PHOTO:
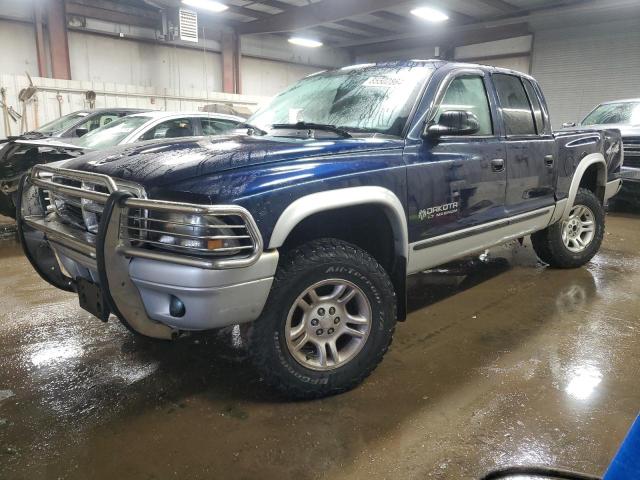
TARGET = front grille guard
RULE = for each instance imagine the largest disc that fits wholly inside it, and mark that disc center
(43, 177)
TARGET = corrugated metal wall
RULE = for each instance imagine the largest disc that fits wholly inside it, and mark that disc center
(579, 67)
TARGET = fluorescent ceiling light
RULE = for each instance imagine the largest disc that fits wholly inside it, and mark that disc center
(430, 14)
(210, 5)
(305, 42)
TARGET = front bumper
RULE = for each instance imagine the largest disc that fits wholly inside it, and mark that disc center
(140, 284)
(630, 191)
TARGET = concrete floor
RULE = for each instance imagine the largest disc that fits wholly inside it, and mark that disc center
(499, 363)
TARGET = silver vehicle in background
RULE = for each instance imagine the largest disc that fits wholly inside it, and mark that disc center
(625, 116)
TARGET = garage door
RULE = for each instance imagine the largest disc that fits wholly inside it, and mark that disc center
(580, 67)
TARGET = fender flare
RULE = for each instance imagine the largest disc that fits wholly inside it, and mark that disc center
(340, 198)
(585, 163)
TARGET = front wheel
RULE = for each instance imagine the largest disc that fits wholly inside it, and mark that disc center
(328, 321)
(573, 242)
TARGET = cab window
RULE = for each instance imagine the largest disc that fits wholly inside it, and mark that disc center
(516, 109)
(177, 127)
(535, 103)
(98, 121)
(217, 126)
(468, 93)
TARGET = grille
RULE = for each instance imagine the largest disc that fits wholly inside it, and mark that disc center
(632, 152)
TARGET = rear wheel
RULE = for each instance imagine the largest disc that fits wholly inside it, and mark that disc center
(573, 242)
(328, 321)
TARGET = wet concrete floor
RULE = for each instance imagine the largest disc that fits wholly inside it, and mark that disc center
(500, 362)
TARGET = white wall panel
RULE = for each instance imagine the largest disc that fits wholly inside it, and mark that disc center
(105, 59)
(268, 77)
(18, 48)
(579, 67)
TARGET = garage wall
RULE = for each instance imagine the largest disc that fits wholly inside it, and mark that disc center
(21, 56)
(580, 67)
(268, 77)
(513, 53)
(144, 64)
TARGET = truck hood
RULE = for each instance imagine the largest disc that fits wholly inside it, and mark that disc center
(158, 163)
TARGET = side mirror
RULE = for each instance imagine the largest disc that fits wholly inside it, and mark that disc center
(81, 131)
(568, 124)
(454, 122)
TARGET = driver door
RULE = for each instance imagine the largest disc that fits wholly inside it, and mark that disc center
(458, 181)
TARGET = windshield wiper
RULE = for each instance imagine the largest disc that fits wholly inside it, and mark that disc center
(312, 126)
(251, 128)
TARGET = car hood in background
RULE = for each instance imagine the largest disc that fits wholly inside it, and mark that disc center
(158, 163)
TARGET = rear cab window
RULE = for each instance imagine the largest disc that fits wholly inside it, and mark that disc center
(517, 113)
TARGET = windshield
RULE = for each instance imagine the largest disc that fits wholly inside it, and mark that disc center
(626, 113)
(364, 98)
(112, 133)
(61, 123)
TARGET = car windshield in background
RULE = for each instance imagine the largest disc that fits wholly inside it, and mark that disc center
(61, 123)
(365, 98)
(625, 113)
(113, 133)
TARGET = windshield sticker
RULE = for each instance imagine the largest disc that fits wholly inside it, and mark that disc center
(381, 82)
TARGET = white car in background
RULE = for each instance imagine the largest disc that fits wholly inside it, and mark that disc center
(157, 125)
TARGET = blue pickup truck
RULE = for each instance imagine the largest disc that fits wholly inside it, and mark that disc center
(304, 225)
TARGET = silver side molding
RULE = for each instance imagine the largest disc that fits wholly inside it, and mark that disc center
(436, 251)
(340, 198)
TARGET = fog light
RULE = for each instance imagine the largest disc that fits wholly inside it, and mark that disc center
(176, 307)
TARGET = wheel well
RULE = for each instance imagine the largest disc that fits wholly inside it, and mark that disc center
(592, 179)
(366, 226)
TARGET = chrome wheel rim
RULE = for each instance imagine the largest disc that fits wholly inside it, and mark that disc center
(579, 229)
(328, 324)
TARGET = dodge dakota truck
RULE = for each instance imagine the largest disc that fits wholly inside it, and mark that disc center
(303, 225)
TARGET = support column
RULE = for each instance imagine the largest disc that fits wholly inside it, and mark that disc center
(58, 43)
(230, 63)
(40, 47)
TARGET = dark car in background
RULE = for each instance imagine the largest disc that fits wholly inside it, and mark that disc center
(76, 124)
(20, 155)
(623, 115)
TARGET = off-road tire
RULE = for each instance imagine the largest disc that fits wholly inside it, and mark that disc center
(298, 269)
(548, 243)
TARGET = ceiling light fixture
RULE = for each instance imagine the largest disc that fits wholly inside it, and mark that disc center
(430, 14)
(305, 42)
(210, 5)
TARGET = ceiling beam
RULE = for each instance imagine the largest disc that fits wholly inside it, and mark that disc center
(363, 27)
(501, 5)
(277, 4)
(329, 34)
(327, 11)
(452, 37)
(585, 6)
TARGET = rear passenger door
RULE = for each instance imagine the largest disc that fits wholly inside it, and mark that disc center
(529, 144)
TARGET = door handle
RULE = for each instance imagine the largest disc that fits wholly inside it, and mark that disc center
(548, 160)
(497, 164)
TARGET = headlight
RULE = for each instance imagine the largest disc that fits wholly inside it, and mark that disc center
(196, 234)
